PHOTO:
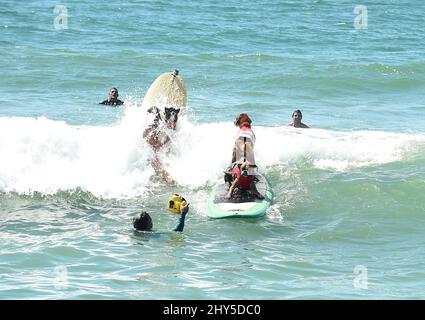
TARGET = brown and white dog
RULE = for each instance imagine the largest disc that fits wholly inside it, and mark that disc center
(238, 175)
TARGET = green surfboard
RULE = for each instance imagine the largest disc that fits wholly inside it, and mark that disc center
(242, 205)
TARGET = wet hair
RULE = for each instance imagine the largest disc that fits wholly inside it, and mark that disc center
(143, 222)
(243, 117)
(116, 90)
(297, 111)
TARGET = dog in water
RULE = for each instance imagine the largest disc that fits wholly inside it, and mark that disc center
(156, 136)
(171, 115)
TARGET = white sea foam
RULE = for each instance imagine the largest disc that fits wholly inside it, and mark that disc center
(334, 150)
(38, 154)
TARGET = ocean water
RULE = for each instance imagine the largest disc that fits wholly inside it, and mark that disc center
(348, 217)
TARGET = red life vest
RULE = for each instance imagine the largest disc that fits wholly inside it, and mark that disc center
(245, 131)
(244, 181)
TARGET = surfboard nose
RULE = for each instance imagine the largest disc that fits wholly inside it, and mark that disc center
(168, 90)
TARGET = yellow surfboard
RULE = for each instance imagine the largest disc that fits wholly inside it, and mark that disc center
(167, 90)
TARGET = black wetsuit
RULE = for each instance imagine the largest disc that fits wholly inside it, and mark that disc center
(117, 102)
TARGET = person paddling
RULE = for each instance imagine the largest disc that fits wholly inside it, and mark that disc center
(143, 222)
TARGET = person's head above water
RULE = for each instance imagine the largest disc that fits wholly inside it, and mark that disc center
(143, 222)
(113, 94)
(297, 114)
(112, 98)
(296, 120)
(242, 119)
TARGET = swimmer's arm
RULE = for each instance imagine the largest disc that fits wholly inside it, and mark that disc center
(183, 211)
(180, 225)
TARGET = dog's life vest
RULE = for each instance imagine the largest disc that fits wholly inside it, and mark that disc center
(244, 180)
(245, 131)
(244, 144)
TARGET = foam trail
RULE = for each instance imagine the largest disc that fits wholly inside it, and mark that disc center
(38, 154)
(326, 149)
(201, 152)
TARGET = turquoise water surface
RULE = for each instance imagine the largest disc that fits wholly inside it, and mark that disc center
(348, 216)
